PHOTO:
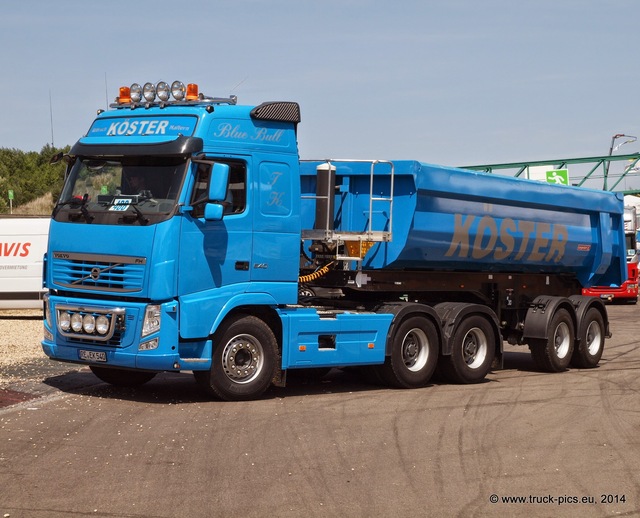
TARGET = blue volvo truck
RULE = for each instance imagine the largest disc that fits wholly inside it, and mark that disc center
(189, 236)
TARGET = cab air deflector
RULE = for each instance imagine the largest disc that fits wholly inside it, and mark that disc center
(179, 147)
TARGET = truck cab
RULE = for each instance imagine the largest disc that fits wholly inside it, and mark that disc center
(171, 215)
(627, 291)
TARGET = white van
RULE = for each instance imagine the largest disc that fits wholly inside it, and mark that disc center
(23, 243)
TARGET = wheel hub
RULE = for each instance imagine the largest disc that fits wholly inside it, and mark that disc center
(411, 350)
(415, 349)
(241, 359)
(594, 338)
(475, 348)
(561, 340)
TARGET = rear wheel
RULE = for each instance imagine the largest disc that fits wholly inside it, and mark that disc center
(414, 354)
(591, 345)
(122, 377)
(244, 360)
(554, 353)
(472, 353)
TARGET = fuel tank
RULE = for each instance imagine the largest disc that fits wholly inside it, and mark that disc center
(421, 216)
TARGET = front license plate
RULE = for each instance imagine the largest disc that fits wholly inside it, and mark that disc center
(93, 356)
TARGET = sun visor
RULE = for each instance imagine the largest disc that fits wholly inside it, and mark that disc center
(180, 146)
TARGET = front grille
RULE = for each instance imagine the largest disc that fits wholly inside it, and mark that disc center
(124, 274)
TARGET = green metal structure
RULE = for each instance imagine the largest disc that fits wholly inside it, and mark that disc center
(583, 170)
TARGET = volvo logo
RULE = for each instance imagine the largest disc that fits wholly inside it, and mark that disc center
(95, 273)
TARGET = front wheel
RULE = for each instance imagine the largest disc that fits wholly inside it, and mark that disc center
(244, 360)
(472, 351)
(122, 377)
(554, 353)
(414, 354)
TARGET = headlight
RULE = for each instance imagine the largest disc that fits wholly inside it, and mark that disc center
(151, 322)
(89, 324)
(47, 309)
(149, 92)
(64, 321)
(163, 90)
(149, 345)
(135, 91)
(76, 322)
(178, 90)
(102, 325)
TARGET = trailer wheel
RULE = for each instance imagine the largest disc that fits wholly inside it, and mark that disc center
(122, 377)
(554, 353)
(414, 354)
(472, 353)
(591, 345)
(244, 360)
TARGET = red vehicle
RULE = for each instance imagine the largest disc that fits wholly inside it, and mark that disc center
(628, 291)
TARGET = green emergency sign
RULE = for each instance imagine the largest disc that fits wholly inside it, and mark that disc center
(558, 176)
(11, 194)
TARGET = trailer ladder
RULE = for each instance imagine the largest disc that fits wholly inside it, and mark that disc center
(356, 243)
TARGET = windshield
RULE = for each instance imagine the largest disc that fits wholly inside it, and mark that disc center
(102, 191)
(631, 246)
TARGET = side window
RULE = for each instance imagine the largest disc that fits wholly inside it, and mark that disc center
(199, 196)
(236, 200)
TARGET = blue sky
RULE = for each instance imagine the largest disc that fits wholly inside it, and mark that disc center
(455, 82)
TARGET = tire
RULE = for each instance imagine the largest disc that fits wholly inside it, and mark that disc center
(554, 353)
(122, 377)
(472, 352)
(304, 292)
(244, 360)
(414, 354)
(591, 344)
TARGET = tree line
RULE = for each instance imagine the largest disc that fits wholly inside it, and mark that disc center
(31, 179)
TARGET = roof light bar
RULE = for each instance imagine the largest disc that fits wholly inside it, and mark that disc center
(162, 93)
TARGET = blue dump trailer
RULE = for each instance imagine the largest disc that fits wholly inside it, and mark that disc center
(190, 237)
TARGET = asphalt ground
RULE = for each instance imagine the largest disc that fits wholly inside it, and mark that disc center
(523, 443)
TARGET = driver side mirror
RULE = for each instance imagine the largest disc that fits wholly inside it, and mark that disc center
(213, 212)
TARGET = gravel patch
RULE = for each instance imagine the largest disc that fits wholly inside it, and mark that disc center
(25, 371)
(20, 335)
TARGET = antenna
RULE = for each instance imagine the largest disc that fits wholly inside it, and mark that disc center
(237, 85)
(51, 117)
(106, 91)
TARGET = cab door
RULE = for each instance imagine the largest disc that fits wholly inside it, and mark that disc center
(215, 256)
